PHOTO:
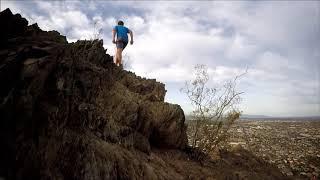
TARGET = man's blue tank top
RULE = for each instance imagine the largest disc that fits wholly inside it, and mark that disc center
(122, 32)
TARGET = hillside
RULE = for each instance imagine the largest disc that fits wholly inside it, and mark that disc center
(67, 112)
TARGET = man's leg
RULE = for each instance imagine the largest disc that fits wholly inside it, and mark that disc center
(115, 58)
(119, 56)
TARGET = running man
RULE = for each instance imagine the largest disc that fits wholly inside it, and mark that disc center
(122, 40)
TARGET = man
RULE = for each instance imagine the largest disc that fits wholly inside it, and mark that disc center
(122, 40)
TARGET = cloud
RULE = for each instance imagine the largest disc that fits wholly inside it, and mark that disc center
(241, 48)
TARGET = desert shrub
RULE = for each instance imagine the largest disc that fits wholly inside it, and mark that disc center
(214, 109)
(97, 29)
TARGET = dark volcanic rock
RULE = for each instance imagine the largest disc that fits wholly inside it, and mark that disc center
(53, 90)
(67, 112)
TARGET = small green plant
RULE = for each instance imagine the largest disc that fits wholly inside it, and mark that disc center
(215, 109)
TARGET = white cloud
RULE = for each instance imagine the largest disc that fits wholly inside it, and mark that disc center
(172, 73)
(241, 48)
(272, 62)
(137, 23)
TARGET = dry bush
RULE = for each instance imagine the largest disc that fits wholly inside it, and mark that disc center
(215, 110)
(97, 30)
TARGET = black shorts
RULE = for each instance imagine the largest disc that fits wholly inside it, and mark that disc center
(120, 43)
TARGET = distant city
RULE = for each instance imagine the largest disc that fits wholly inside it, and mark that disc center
(273, 118)
(264, 117)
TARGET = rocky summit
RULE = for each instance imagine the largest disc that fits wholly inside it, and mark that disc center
(67, 112)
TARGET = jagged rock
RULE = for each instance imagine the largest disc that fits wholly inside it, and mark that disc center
(67, 112)
(11, 25)
(58, 87)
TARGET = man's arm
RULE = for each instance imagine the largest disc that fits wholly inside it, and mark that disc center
(113, 36)
(131, 37)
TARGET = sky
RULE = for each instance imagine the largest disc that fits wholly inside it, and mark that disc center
(278, 42)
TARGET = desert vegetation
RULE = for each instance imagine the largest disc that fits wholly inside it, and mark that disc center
(214, 109)
(97, 30)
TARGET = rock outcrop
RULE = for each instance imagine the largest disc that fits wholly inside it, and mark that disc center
(67, 112)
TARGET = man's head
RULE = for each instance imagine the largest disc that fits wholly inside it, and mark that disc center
(120, 23)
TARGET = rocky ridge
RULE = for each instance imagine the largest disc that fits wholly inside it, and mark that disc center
(67, 112)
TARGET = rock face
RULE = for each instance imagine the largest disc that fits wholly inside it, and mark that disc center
(67, 112)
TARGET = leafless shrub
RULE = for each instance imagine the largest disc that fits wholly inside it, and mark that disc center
(97, 29)
(215, 109)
